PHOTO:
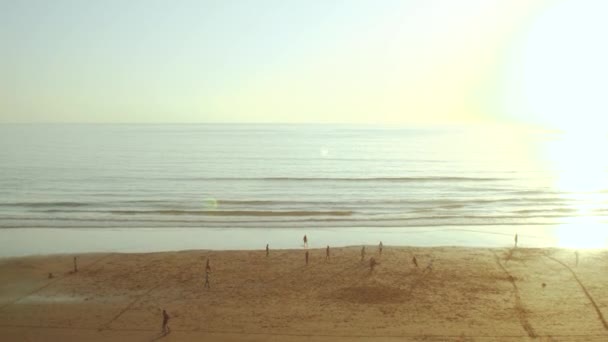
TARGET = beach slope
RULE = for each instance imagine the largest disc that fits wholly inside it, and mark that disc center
(453, 294)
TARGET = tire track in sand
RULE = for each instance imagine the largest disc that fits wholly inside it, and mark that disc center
(593, 303)
(519, 306)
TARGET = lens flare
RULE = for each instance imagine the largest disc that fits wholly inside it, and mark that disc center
(210, 203)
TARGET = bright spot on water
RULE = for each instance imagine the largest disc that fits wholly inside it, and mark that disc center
(324, 152)
(210, 203)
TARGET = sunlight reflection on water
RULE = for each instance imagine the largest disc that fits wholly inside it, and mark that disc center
(580, 170)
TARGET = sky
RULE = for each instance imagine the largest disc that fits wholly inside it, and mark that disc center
(408, 62)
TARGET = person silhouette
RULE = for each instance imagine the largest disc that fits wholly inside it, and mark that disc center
(380, 247)
(372, 264)
(415, 261)
(516, 240)
(207, 271)
(267, 250)
(305, 241)
(165, 328)
(327, 253)
(207, 285)
(362, 253)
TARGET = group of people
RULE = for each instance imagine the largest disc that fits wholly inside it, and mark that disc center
(372, 264)
(372, 261)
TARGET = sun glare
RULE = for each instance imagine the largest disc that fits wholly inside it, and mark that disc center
(557, 74)
(581, 179)
(578, 166)
(584, 232)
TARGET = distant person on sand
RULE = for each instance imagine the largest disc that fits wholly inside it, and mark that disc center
(362, 253)
(75, 265)
(415, 261)
(372, 264)
(515, 240)
(305, 241)
(380, 247)
(267, 250)
(306, 257)
(166, 329)
(207, 271)
(327, 253)
(207, 285)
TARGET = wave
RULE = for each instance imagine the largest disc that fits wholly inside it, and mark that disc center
(305, 224)
(346, 179)
(44, 204)
(438, 203)
(214, 212)
(293, 217)
(535, 211)
(67, 204)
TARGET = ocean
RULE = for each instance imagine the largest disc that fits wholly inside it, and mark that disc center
(226, 176)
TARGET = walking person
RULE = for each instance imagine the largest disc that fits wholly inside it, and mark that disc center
(75, 265)
(305, 241)
(327, 253)
(267, 250)
(415, 261)
(362, 253)
(207, 267)
(380, 247)
(515, 240)
(165, 328)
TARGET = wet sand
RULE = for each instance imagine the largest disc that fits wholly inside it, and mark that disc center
(455, 294)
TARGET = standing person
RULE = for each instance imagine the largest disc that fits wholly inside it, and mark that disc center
(362, 253)
(166, 329)
(515, 240)
(267, 250)
(306, 257)
(327, 253)
(305, 241)
(207, 285)
(75, 265)
(207, 271)
(415, 261)
(380, 247)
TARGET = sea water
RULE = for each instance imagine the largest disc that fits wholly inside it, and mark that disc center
(333, 178)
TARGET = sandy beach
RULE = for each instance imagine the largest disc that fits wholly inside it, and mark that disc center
(455, 294)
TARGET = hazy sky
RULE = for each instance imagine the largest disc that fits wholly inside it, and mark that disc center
(403, 61)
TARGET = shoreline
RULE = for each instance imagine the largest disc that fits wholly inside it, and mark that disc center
(456, 293)
(15, 242)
